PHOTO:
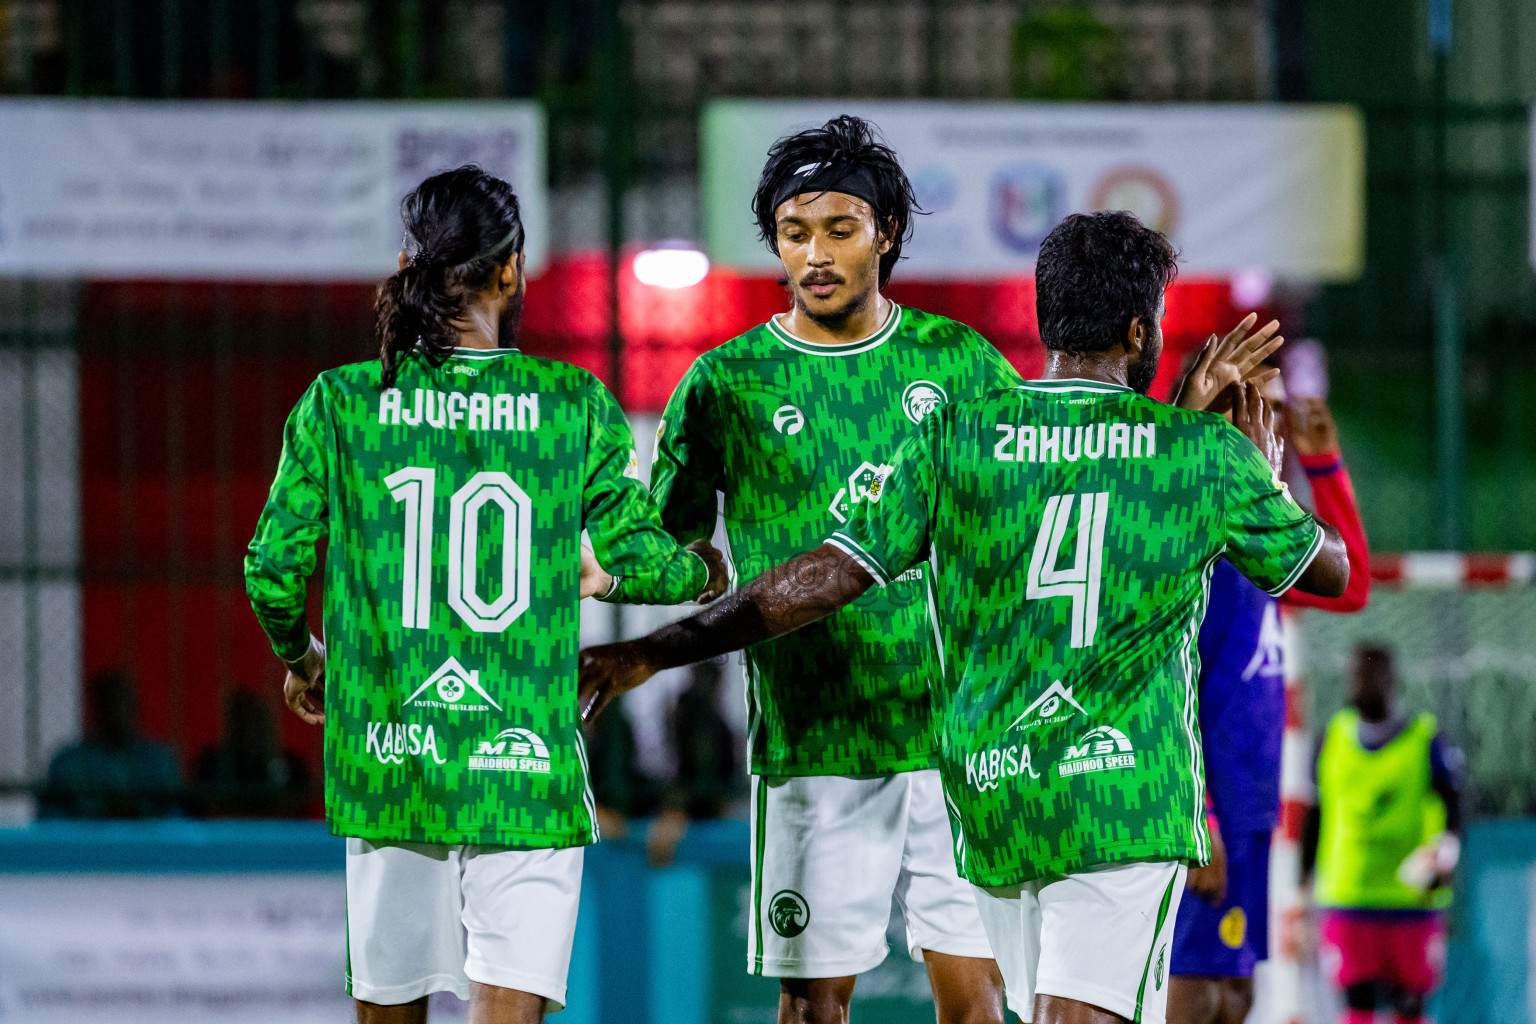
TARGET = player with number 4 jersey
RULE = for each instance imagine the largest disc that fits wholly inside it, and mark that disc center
(1072, 524)
(452, 479)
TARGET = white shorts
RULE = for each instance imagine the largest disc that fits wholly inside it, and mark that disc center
(424, 917)
(829, 852)
(1100, 937)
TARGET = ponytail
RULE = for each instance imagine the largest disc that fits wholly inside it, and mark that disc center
(466, 224)
(414, 311)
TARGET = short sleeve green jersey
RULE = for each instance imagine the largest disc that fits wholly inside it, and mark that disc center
(794, 434)
(452, 505)
(1073, 527)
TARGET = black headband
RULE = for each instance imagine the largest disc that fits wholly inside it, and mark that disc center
(857, 180)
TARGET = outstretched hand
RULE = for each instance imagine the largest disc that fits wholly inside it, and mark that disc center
(1235, 359)
(1313, 430)
(1259, 419)
(609, 671)
(304, 688)
(719, 576)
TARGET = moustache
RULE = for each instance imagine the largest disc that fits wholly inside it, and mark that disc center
(820, 277)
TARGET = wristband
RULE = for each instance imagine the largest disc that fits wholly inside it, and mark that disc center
(1325, 464)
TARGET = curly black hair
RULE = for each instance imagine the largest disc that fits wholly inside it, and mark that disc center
(842, 144)
(1095, 272)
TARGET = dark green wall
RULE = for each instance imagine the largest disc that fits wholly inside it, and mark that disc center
(1375, 53)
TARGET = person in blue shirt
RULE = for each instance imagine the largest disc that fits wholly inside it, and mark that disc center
(1222, 928)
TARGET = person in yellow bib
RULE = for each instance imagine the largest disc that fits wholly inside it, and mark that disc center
(1382, 842)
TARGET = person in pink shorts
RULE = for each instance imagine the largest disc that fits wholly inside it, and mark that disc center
(1383, 837)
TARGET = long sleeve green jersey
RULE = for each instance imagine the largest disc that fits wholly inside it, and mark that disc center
(794, 434)
(1072, 527)
(452, 505)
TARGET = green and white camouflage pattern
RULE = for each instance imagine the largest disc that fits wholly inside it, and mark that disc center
(794, 434)
(1073, 527)
(452, 505)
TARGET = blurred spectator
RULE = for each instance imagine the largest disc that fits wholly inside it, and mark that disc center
(1384, 840)
(249, 774)
(621, 789)
(113, 772)
(709, 773)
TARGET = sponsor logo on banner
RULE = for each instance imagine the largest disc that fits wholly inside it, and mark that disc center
(1102, 748)
(1027, 201)
(921, 398)
(452, 687)
(863, 483)
(788, 420)
(512, 750)
(1142, 191)
(392, 742)
(788, 913)
(1056, 704)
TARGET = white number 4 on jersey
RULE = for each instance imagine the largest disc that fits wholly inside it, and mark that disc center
(1081, 581)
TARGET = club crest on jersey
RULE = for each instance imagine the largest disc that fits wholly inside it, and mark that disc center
(788, 420)
(1102, 748)
(921, 398)
(866, 482)
(448, 688)
(512, 750)
(632, 470)
(1056, 704)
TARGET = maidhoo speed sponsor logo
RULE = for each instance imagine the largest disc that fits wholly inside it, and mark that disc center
(1101, 749)
(512, 750)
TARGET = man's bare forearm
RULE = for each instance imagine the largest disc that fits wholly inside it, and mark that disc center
(801, 591)
(1328, 574)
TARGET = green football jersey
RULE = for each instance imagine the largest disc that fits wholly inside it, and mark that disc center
(452, 505)
(794, 434)
(1072, 527)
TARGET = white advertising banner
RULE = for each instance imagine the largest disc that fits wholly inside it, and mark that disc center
(173, 949)
(1277, 188)
(252, 191)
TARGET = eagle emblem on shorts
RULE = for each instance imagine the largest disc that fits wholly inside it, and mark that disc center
(788, 913)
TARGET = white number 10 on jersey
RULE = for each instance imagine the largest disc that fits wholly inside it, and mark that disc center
(417, 489)
(1080, 582)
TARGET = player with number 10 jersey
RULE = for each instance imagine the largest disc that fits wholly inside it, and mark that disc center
(452, 479)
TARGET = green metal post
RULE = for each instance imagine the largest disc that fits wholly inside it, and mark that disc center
(1450, 425)
(170, 48)
(614, 111)
(1450, 419)
(613, 84)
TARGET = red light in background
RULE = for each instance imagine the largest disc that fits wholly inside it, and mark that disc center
(666, 328)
